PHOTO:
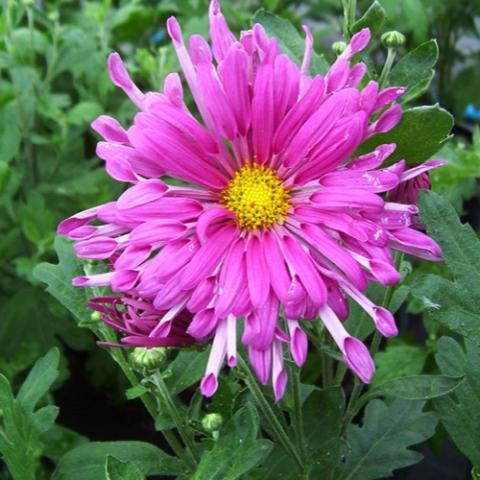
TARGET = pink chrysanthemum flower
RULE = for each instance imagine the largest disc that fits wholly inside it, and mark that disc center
(277, 216)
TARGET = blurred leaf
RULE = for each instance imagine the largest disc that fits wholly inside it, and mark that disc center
(454, 304)
(373, 19)
(39, 380)
(415, 69)
(26, 318)
(20, 443)
(9, 133)
(291, 43)
(237, 450)
(417, 19)
(429, 126)
(87, 461)
(84, 112)
(382, 443)
(117, 470)
(460, 411)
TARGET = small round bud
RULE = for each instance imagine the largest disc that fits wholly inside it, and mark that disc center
(95, 317)
(339, 47)
(212, 422)
(393, 39)
(148, 359)
(53, 16)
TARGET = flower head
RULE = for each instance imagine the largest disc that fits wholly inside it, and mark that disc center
(276, 214)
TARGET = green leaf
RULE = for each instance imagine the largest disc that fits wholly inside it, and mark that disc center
(373, 19)
(19, 442)
(39, 380)
(291, 42)
(382, 443)
(9, 133)
(87, 461)
(237, 450)
(59, 280)
(45, 417)
(417, 387)
(117, 470)
(322, 414)
(187, 369)
(415, 70)
(452, 303)
(399, 360)
(429, 126)
(460, 411)
(84, 112)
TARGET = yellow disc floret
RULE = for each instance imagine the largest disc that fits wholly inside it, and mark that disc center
(257, 197)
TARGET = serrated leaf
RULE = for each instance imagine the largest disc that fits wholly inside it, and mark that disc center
(187, 369)
(291, 42)
(382, 443)
(322, 414)
(373, 19)
(87, 462)
(59, 280)
(415, 70)
(460, 411)
(454, 304)
(417, 387)
(39, 380)
(399, 360)
(429, 126)
(237, 450)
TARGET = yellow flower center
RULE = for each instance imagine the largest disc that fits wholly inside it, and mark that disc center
(257, 197)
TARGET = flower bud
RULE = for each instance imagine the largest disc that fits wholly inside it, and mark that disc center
(212, 422)
(339, 47)
(148, 359)
(393, 39)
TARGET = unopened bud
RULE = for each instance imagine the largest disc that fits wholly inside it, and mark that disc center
(148, 359)
(339, 47)
(212, 422)
(393, 39)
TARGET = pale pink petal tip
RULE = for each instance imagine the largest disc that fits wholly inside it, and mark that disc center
(173, 29)
(358, 359)
(385, 322)
(299, 346)
(279, 385)
(214, 7)
(117, 71)
(209, 385)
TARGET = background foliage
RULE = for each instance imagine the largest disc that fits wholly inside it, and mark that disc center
(53, 82)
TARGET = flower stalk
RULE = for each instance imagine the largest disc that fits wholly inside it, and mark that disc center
(269, 415)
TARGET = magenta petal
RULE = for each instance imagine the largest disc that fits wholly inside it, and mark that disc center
(261, 361)
(257, 272)
(385, 322)
(358, 358)
(209, 384)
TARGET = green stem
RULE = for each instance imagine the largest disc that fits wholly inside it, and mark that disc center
(105, 334)
(349, 10)
(175, 416)
(391, 53)
(297, 418)
(268, 413)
